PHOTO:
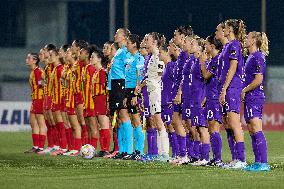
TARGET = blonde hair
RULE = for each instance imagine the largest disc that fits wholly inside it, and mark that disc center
(261, 42)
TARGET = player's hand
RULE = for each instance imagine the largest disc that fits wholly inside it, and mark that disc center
(134, 101)
(203, 57)
(124, 102)
(177, 100)
(243, 95)
(222, 97)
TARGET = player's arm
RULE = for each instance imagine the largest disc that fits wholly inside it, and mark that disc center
(39, 79)
(206, 74)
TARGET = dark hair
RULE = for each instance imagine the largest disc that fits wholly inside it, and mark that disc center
(100, 54)
(133, 38)
(212, 40)
(164, 47)
(188, 31)
(125, 31)
(35, 56)
(222, 24)
(90, 49)
(161, 39)
(109, 42)
(50, 47)
(65, 47)
(56, 51)
(80, 43)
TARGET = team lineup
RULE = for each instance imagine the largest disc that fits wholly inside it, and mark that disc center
(179, 91)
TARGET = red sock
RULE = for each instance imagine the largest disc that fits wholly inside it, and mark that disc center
(84, 134)
(78, 143)
(102, 140)
(62, 134)
(68, 138)
(50, 139)
(72, 138)
(115, 142)
(94, 142)
(35, 138)
(42, 139)
(107, 139)
(56, 137)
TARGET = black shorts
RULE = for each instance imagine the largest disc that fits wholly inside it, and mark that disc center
(129, 95)
(116, 95)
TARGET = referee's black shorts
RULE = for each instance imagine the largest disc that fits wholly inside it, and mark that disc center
(129, 95)
(116, 95)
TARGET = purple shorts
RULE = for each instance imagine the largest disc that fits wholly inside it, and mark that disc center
(233, 101)
(167, 114)
(186, 109)
(253, 108)
(213, 111)
(177, 108)
(197, 115)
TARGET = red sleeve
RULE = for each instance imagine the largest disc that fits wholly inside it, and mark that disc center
(38, 76)
(103, 77)
(59, 71)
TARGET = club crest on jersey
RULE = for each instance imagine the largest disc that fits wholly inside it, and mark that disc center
(257, 68)
(233, 52)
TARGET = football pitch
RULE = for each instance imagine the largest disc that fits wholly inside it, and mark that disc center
(19, 170)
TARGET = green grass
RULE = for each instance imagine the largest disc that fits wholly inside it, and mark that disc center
(18, 170)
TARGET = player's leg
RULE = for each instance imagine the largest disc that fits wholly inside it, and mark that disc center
(35, 133)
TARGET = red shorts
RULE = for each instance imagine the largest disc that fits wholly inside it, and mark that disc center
(57, 107)
(78, 98)
(37, 106)
(70, 111)
(89, 112)
(47, 103)
(100, 105)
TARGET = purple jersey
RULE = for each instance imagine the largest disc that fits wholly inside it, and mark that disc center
(211, 88)
(233, 52)
(221, 65)
(196, 82)
(255, 64)
(167, 83)
(186, 76)
(178, 72)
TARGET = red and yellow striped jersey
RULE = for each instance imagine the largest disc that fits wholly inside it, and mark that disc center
(87, 76)
(47, 79)
(36, 83)
(70, 81)
(64, 81)
(56, 84)
(79, 76)
(99, 82)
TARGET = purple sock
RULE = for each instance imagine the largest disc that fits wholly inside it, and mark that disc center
(175, 144)
(216, 143)
(257, 157)
(205, 150)
(182, 145)
(261, 146)
(154, 142)
(190, 152)
(187, 142)
(231, 142)
(240, 148)
(196, 149)
(172, 142)
(149, 140)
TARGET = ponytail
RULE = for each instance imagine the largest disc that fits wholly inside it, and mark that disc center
(261, 42)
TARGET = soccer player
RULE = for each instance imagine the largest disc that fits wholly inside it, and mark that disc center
(70, 103)
(77, 45)
(56, 86)
(87, 75)
(196, 89)
(99, 92)
(213, 109)
(133, 76)
(253, 97)
(179, 37)
(152, 148)
(117, 94)
(193, 141)
(219, 35)
(36, 114)
(232, 83)
(155, 70)
(166, 101)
